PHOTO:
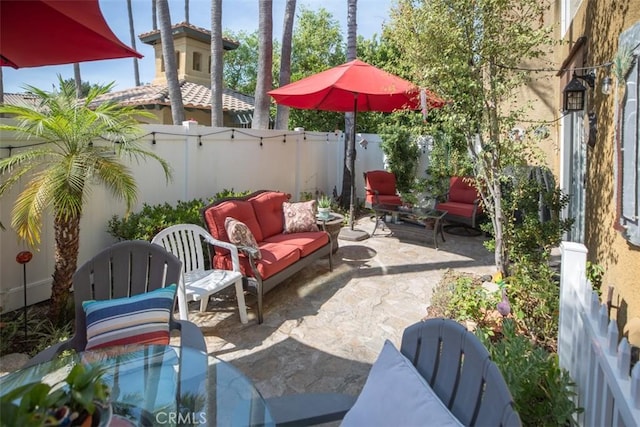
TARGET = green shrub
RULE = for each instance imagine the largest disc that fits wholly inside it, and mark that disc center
(595, 273)
(542, 391)
(151, 220)
(402, 155)
(535, 301)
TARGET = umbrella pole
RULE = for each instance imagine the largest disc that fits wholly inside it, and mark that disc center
(352, 163)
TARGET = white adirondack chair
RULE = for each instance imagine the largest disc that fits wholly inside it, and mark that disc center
(198, 284)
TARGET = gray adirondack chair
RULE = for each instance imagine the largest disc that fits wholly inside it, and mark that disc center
(127, 268)
(451, 359)
(460, 371)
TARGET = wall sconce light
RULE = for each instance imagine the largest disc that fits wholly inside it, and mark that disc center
(574, 92)
(363, 143)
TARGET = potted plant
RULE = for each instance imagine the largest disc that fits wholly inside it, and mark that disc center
(80, 399)
(324, 207)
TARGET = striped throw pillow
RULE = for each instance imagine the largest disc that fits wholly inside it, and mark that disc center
(140, 319)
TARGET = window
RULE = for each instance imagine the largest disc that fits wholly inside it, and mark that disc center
(209, 65)
(197, 58)
(569, 9)
(177, 61)
(629, 162)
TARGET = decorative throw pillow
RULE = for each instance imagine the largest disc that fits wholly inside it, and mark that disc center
(299, 217)
(240, 235)
(140, 319)
(395, 394)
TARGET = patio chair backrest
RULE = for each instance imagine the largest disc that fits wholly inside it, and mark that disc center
(124, 269)
(185, 242)
(459, 369)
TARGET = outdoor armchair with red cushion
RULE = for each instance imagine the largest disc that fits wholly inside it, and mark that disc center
(381, 189)
(463, 202)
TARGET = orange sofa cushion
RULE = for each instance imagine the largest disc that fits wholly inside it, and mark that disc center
(307, 242)
(268, 210)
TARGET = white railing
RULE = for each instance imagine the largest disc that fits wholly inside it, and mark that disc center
(590, 349)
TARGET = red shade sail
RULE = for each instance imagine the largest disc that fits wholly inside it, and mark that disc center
(334, 90)
(51, 32)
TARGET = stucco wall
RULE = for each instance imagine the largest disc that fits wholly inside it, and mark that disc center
(601, 22)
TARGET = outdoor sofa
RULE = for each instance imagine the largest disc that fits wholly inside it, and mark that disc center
(271, 248)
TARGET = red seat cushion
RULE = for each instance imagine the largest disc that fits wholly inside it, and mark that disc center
(461, 191)
(385, 184)
(307, 242)
(459, 209)
(385, 200)
(241, 210)
(268, 210)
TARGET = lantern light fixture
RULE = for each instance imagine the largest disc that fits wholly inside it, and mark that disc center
(574, 92)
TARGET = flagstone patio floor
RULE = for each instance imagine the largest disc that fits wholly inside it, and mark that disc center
(322, 330)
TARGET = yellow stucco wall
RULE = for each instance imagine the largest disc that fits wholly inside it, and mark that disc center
(602, 21)
(186, 47)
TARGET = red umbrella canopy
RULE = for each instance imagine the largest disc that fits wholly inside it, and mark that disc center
(335, 88)
(50, 32)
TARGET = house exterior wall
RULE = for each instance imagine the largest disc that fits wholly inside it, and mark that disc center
(602, 22)
(185, 47)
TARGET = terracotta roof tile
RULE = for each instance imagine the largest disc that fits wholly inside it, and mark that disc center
(193, 96)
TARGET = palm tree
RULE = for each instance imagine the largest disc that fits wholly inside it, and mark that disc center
(132, 35)
(170, 65)
(77, 79)
(350, 145)
(72, 158)
(216, 63)
(265, 65)
(282, 111)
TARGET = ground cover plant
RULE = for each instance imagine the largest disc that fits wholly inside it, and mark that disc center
(523, 343)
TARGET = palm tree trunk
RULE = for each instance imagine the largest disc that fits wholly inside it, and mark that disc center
(67, 233)
(132, 34)
(78, 79)
(348, 174)
(170, 66)
(282, 112)
(154, 15)
(217, 118)
(265, 65)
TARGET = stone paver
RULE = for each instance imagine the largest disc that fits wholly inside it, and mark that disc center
(322, 331)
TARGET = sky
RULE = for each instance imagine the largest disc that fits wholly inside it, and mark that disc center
(237, 15)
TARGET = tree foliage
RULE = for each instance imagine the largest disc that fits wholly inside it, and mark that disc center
(472, 53)
(317, 46)
(80, 145)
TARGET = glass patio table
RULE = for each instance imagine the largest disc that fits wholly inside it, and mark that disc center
(161, 385)
(416, 215)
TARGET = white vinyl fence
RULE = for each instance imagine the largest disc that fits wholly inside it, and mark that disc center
(590, 349)
(204, 161)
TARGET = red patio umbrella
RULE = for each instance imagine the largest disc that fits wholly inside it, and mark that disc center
(50, 32)
(354, 86)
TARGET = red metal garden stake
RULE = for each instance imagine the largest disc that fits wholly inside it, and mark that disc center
(23, 258)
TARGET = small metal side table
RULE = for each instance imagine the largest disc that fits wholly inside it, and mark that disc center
(332, 225)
